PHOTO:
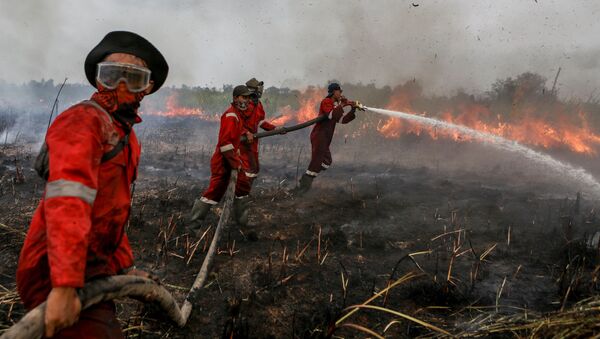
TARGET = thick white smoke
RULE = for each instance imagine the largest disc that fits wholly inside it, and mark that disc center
(446, 44)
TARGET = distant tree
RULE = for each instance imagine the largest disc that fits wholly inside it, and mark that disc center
(525, 86)
(7, 119)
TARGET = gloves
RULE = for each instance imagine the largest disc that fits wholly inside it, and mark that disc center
(249, 137)
(232, 159)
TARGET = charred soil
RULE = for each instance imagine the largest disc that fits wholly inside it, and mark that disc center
(483, 244)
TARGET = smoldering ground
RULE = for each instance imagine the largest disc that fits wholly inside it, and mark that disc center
(491, 238)
(491, 232)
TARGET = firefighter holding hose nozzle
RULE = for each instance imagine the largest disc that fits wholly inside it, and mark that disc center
(335, 108)
(89, 159)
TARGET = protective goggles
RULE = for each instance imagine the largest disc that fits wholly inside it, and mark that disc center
(110, 74)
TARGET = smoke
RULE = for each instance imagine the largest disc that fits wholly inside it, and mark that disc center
(446, 45)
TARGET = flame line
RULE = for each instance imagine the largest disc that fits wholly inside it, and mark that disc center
(578, 174)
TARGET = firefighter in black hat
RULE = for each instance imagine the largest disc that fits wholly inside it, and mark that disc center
(89, 159)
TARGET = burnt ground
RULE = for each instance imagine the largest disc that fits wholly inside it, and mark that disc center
(496, 238)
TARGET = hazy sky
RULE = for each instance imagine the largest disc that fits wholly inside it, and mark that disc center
(445, 44)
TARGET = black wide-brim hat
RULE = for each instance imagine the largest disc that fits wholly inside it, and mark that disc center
(130, 43)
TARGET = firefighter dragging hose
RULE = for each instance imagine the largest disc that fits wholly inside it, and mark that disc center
(225, 159)
(89, 159)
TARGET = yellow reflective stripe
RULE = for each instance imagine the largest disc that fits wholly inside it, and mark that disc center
(232, 115)
(226, 148)
(67, 188)
(311, 173)
(208, 201)
(251, 175)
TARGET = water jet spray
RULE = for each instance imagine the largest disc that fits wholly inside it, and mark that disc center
(578, 174)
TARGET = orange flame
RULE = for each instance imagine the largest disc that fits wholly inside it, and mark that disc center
(308, 100)
(172, 109)
(552, 127)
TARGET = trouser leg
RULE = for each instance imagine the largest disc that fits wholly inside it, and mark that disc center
(253, 168)
(320, 155)
(242, 197)
(217, 186)
(97, 322)
(327, 160)
(219, 179)
(242, 186)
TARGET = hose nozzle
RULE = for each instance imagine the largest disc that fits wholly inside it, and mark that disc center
(359, 106)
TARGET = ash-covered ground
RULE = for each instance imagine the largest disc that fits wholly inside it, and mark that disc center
(486, 235)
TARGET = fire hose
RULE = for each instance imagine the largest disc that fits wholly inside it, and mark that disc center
(135, 287)
(32, 324)
(284, 129)
(186, 309)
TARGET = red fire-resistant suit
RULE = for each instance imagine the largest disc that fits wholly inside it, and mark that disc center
(252, 119)
(77, 231)
(227, 151)
(322, 133)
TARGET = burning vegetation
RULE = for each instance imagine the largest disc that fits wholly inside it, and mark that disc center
(172, 110)
(413, 232)
(520, 109)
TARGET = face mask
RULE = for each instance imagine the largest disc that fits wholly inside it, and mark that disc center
(112, 99)
(127, 113)
(241, 105)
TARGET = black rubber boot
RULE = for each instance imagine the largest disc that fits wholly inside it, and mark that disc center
(252, 180)
(240, 215)
(240, 210)
(304, 184)
(199, 212)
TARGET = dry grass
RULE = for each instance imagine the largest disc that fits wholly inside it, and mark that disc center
(9, 298)
(349, 311)
(580, 321)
